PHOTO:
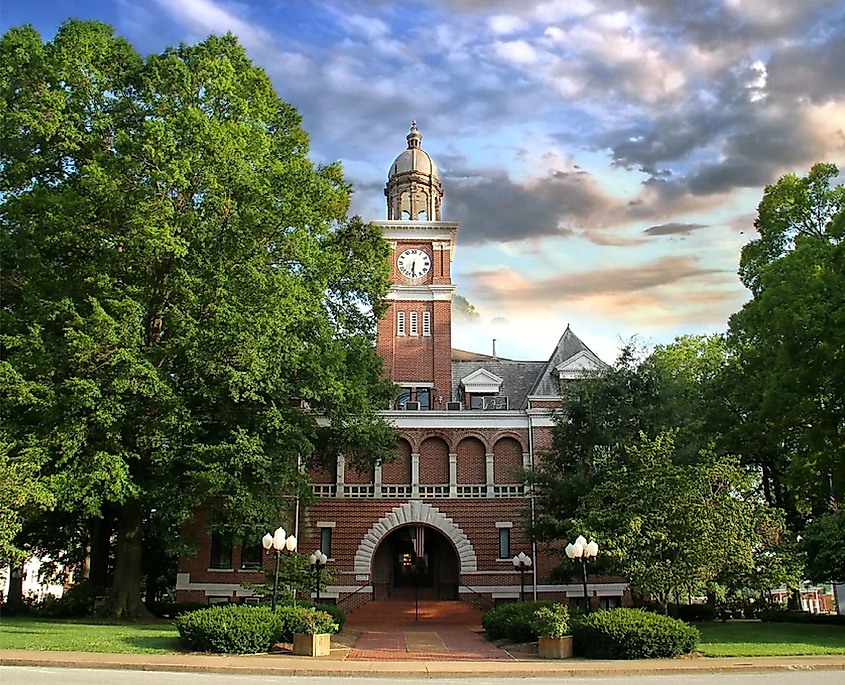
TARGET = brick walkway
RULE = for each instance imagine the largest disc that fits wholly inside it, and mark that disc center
(434, 644)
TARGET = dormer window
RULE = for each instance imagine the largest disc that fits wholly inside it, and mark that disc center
(480, 384)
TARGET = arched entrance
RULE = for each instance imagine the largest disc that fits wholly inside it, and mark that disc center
(415, 561)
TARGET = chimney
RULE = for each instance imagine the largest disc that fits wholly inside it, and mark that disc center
(494, 349)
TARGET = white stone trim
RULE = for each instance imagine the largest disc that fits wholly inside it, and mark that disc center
(414, 384)
(504, 524)
(482, 380)
(326, 524)
(421, 293)
(419, 513)
(578, 365)
(440, 231)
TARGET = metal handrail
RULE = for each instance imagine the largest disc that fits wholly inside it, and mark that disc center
(484, 599)
(350, 594)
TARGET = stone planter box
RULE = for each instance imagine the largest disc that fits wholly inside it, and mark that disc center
(312, 645)
(555, 647)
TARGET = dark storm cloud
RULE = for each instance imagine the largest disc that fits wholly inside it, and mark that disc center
(493, 208)
(673, 229)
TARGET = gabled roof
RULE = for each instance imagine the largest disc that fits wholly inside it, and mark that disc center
(482, 380)
(569, 357)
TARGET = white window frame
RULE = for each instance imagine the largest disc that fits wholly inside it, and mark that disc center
(400, 323)
(426, 323)
(413, 323)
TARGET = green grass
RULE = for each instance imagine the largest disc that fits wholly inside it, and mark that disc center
(752, 638)
(66, 636)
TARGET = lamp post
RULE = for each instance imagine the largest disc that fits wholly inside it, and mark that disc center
(318, 563)
(521, 562)
(279, 542)
(583, 551)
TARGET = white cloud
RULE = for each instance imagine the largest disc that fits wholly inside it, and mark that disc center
(517, 51)
(504, 24)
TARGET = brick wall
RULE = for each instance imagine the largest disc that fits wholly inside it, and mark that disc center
(507, 458)
(398, 472)
(434, 462)
(472, 462)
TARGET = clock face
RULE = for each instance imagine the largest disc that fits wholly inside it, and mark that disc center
(413, 263)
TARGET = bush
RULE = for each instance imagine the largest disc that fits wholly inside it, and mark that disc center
(786, 616)
(513, 621)
(338, 614)
(231, 629)
(75, 602)
(633, 634)
(551, 621)
(306, 621)
(696, 613)
(248, 629)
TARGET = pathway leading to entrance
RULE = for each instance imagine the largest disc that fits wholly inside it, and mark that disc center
(399, 643)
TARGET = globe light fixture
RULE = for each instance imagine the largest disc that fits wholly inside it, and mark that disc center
(521, 562)
(318, 563)
(279, 542)
(583, 551)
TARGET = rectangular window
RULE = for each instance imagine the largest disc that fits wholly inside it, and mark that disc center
(221, 551)
(251, 555)
(326, 541)
(404, 396)
(504, 543)
(424, 398)
(426, 323)
(400, 323)
(476, 401)
(413, 324)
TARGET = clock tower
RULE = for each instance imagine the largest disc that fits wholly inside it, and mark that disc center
(415, 336)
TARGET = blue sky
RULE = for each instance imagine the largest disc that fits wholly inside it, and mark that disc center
(605, 157)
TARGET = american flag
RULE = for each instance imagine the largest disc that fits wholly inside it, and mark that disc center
(833, 503)
(418, 537)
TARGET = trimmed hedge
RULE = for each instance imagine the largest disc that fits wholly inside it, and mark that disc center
(513, 621)
(786, 616)
(173, 609)
(633, 634)
(245, 629)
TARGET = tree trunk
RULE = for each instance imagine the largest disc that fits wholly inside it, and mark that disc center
(14, 599)
(98, 559)
(793, 600)
(125, 599)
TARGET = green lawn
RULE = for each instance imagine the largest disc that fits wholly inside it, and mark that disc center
(62, 636)
(752, 638)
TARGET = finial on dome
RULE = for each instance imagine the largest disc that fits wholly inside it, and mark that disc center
(414, 138)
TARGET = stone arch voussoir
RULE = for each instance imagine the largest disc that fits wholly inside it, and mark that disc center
(420, 513)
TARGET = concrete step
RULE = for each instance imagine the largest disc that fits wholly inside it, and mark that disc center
(403, 612)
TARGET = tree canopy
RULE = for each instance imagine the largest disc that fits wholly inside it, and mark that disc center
(179, 278)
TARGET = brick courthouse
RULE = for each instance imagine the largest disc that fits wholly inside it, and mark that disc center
(445, 518)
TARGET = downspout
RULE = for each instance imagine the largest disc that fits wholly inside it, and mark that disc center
(533, 539)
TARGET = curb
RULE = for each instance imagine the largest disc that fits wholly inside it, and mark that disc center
(263, 665)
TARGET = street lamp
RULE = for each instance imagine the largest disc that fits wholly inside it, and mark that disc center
(583, 551)
(318, 563)
(279, 542)
(521, 562)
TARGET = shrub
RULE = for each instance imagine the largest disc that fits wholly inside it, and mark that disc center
(633, 634)
(338, 614)
(231, 628)
(75, 602)
(306, 621)
(786, 616)
(513, 621)
(551, 621)
(696, 613)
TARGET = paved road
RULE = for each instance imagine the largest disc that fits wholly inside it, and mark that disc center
(19, 675)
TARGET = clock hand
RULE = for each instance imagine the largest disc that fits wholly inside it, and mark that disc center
(413, 269)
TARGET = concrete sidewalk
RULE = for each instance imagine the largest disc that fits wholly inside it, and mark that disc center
(283, 664)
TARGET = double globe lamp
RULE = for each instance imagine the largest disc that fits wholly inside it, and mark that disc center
(521, 563)
(279, 542)
(318, 563)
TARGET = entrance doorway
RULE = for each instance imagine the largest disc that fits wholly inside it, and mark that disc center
(416, 562)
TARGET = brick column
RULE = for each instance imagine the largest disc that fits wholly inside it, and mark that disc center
(489, 464)
(453, 475)
(341, 474)
(415, 475)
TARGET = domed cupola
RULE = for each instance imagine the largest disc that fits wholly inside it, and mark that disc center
(413, 188)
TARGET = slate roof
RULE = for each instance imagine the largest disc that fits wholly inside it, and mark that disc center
(520, 379)
(517, 376)
(547, 383)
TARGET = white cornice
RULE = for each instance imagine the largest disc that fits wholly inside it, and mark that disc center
(421, 230)
(426, 293)
(482, 380)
